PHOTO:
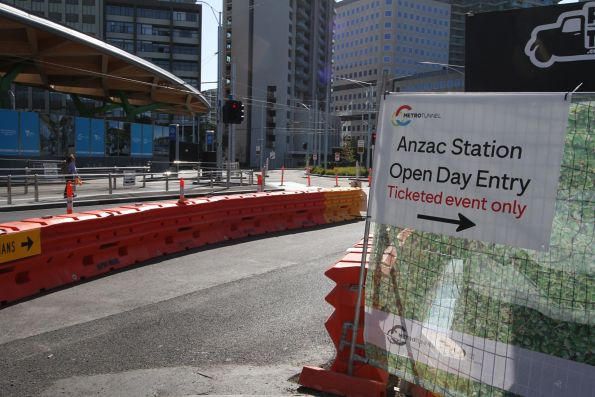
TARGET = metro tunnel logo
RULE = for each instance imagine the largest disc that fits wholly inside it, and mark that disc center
(400, 118)
(404, 115)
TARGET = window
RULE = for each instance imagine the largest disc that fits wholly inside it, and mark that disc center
(119, 27)
(186, 33)
(153, 13)
(119, 10)
(117, 139)
(185, 16)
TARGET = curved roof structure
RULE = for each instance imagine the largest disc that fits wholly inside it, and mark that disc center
(57, 58)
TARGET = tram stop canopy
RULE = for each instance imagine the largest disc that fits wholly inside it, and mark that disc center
(40, 53)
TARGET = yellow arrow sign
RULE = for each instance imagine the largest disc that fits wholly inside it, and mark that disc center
(19, 245)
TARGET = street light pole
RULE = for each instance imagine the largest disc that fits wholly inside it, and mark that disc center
(445, 65)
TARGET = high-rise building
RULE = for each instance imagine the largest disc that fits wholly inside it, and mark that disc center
(460, 8)
(278, 61)
(376, 41)
(166, 33)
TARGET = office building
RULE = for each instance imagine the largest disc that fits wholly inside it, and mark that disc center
(376, 41)
(278, 61)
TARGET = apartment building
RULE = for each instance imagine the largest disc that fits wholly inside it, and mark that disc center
(278, 61)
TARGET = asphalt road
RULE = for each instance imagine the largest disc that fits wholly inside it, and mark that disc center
(238, 318)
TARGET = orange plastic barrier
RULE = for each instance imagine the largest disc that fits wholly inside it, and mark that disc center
(366, 379)
(87, 244)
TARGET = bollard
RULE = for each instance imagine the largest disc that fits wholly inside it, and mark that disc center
(68, 198)
(109, 177)
(336, 179)
(308, 172)
(144, 180)
(36, 188)
(282, 174)
(26, 180)
(259, 182)
(167, 181)
(241, 178)
(9, 190)
(182, 199)
(369, 177)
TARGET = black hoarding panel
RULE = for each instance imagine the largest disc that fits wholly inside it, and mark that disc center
(536, 49)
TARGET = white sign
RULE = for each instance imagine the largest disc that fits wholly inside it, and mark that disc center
(314, 156)
(477, 166)
(50, 169)
(361, 143)
(129, 178)
(272, 155)
(337, 156)
(257, 149)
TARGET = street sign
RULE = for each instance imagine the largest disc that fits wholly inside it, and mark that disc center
(210, 135)
(272, 155)
(337, 156)
(19, 245)
(257, 149)
(173, 131)
(453, 165)
(129, 178)
(315, 156)
(360, 146)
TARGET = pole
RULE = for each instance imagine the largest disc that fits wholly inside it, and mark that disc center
(182, 198)
(220, 93)
(262, 124)
(9, 190)
(68, 197)
(36, 188)
(369, 134)
(282, 174)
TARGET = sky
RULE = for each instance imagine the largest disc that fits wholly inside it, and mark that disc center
(209, 42)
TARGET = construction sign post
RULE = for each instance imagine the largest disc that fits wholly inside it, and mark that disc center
(480, 275)
(482, 167)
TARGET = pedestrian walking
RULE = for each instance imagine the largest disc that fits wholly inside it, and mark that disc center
(71, 173)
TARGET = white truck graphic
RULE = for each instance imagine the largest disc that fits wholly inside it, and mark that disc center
(570, 38)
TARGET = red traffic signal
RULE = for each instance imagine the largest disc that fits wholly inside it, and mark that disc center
(233, 112)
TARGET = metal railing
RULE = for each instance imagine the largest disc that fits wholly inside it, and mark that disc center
(15, 183)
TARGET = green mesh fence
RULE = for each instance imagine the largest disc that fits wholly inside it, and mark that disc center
(536, 310)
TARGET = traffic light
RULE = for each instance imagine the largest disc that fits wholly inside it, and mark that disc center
(233, 112)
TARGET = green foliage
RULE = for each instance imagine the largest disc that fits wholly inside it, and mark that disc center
(341, 171)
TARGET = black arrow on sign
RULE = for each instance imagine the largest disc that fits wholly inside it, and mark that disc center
(27, 243)
(463, 222)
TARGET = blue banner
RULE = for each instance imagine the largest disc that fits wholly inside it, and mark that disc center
(29, 133)
(97, 137)
(147, 140)
(82, 130)
(136, 140)
(9, 132)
